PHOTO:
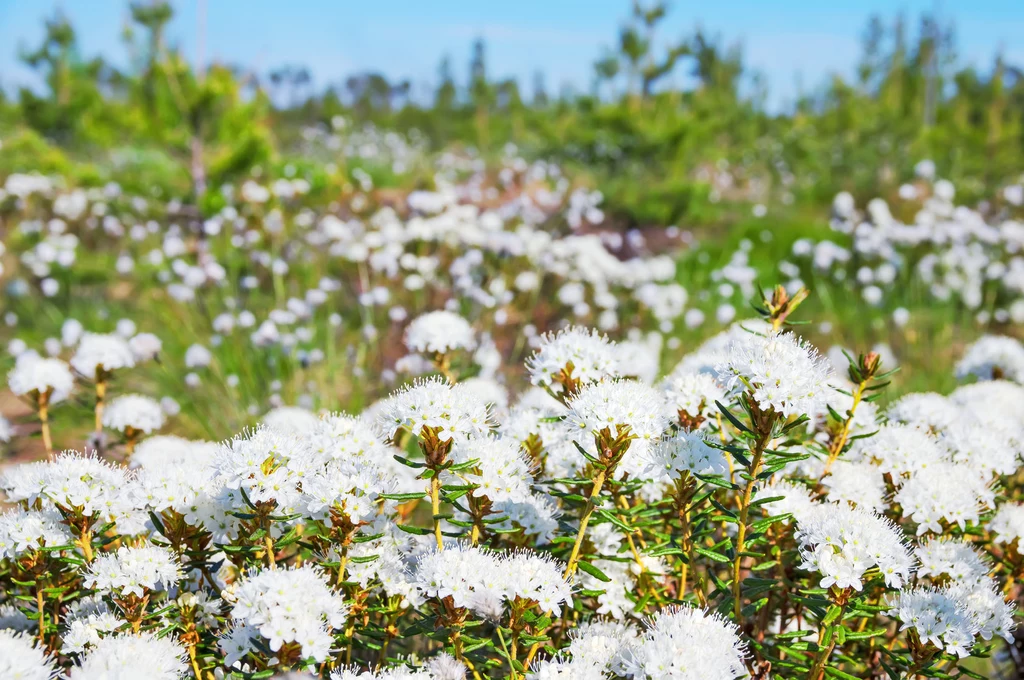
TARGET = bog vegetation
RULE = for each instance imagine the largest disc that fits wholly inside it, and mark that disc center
(645, 382)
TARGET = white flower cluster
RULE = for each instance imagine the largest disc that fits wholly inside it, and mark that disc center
(285, 606)
(672, 457)
(842, 543)
(938, 616)
(74, 483)
(134, 412)
(484, 581)
(790, 498)
(685, 643)
(439, 333)
(88, 621)
(22, 531)
(857, 483)
(693, 393)
(993, 356)
(942, 491)
(584, 355)
(1008, 523)
(101, 353)
(449, 409)
(21, 658)
(502, 473)
(782, 372)
(622, 407)
(34, 375)
(134, 571)
(133, 656)
(969, 256)
(953, 558)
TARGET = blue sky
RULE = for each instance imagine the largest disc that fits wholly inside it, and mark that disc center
(407, 38)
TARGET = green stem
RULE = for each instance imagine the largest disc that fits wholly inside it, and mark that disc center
(741, 536)
(817, 671)
(435, 507)
(504, 648)
(574, 557)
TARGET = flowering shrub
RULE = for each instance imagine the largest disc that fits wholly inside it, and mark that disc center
(752, 514)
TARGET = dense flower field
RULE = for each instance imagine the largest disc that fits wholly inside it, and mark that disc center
(435, 461)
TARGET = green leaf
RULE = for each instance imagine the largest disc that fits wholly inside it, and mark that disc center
(614, 519)
(732, 419)
(593, 571)
(712, 555)
(586, 455)
(419, 531)
(403, 497)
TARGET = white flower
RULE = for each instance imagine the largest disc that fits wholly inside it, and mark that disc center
(943, 491)
(535, 415)
(444, 666)
(33, 375)
(995, 403)
(133, 411)
(22, 530)
(952, 557)
(559, 668)
(536, 577)
(614, 601)
(685, 643)
(584, 355)
(536, 514)
(939, 617)
(684, 452)
(693, 393)
(87, 620)
(168, 450)
(290, 605)
(290, 419)
(434, 403)
(134, 571)
(783, 372)
(640, 359)
(1008, 523)
(98, 352)
(133, 656)
(925, 410)
(70, 332)
(145, 346)
(623, 407)
(197, 356)
(898, 450)
(503, 472)
(792, 498)
(489, 392)
(21, 658)
(993, 356)
(481, 580)
(438, 333)
(841, 543)
(986, 448)
(858, 483)
(392, 673)
(605, 644)
(71, 481)
(987, 607)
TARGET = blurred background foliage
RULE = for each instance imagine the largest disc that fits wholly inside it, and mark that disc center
(651, 146)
